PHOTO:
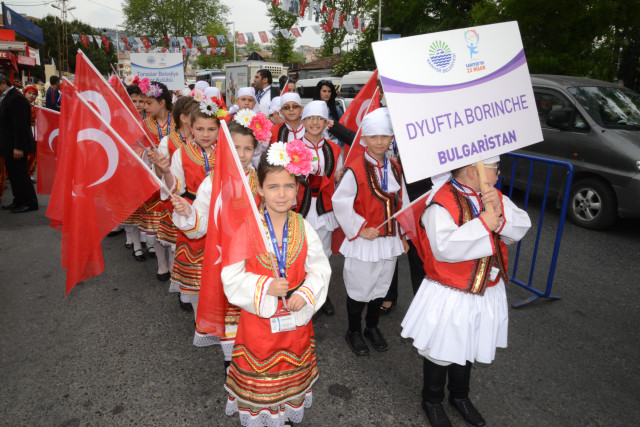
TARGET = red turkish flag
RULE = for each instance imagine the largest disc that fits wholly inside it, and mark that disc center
(296, 32)
(329, 24)
(241, 39)
(303, 7)
(213, 41)
(357, 147)
(356, 110)
(105, 40)
(235, 233)
(409, 219)
(84, 39)
(145, 42)
(126, 43)
(47, 132)
(121, 114)
(263, 36)
(120, 89)
(189, 42)
(104, 182)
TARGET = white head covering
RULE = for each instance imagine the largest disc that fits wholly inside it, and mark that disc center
(275, 105)
(212, 91)
(290, 97)
(244, 91)
(201, 84)
(494, 159)
(315, 108)
(377, 122)
(186, 91)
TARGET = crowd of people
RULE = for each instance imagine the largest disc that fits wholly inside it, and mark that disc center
(306, 188)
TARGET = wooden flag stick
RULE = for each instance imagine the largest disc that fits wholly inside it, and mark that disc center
(482, 176)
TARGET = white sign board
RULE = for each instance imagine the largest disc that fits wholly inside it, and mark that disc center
(457, 97)
(165, 68)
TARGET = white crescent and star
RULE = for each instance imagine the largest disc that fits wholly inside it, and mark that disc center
(53, 135)
(101, 104)
(362, 111)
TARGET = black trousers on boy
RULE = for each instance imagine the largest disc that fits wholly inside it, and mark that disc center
(435, 378)
(354, 312)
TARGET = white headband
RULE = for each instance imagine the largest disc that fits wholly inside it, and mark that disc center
(290, 97)
(377, 122)
(201, 84)
(316, 108)
(274, 105)
(212, 91)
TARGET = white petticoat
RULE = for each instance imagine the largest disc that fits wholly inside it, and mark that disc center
(388, 247)
(454, 326)
(327, 220)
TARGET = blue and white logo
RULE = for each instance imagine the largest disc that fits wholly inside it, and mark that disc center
(441, 59)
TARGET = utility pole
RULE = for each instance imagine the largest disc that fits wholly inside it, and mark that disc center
(63, 57)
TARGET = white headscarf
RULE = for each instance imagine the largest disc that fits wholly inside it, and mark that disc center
(201, 84)
(377, 122)
(274, 105)
(315, 108)
(441, 179)
(212, 91)
(290, 97)
(244, 91)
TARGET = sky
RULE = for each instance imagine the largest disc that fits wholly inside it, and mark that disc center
(105, 13)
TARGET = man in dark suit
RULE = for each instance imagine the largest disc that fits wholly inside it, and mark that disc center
(16, 141)
(52, 97)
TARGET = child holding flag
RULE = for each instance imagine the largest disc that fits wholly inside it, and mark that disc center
(460, 313)
(274, 362)
(371, 191)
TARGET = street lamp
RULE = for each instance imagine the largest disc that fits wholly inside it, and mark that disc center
(233, 24)
(117, 51)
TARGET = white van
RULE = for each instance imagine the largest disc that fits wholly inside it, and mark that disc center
(352, 83)
(306, 88)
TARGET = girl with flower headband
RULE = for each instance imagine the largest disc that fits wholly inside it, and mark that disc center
(189, 166)
(371, 191)
(193, 219)
(291, 110)
(135, 93)
(167, 232)
(274, 360)
(158, 122)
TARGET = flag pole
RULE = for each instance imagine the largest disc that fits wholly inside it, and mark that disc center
(403, 209)
(122, 141)
(482, 175)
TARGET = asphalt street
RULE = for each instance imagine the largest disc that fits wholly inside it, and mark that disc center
(118, 350)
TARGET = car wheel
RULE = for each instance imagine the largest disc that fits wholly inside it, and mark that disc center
(592, 204)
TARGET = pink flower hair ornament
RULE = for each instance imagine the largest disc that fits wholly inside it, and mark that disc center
(294, 156)
(113, 80)
(144, 85)
(261, 127)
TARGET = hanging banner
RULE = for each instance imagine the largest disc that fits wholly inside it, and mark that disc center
(463, 97)
(165, 68)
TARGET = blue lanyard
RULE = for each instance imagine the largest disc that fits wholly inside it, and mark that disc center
(168, 126)
(182, 138)
(281, 256)
(206, 160)
(261, 94)
(384, 178)
(460, 187)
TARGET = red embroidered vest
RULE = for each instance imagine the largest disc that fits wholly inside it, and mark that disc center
(321, 187)
(194, 168)
(174, 142)
(371, 202)
(468, 276)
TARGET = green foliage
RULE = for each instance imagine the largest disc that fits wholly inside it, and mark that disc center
(281, 47)
(337, 36)
(171, 18)
(360, 57)
(215, 61)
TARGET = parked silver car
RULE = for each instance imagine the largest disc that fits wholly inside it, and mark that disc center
(595, 126)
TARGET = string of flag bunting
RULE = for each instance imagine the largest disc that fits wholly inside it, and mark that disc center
(328, 19)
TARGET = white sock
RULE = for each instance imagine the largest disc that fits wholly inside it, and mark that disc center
(134, 237)
(143, 236)
(172, 257)
(162, 257)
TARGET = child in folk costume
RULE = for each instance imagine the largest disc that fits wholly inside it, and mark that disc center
(189, 167)
(291, 110)
(460, 313)
(246, 100)
(167, 232)
(274, 368)
(158, 121)
(314, 198)
(193, 220)
(370, 192)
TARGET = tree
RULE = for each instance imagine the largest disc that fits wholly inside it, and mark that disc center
(337, 35)
(281, 47)
(170, 18)
(215, 61)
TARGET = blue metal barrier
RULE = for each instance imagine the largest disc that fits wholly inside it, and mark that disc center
(563, 213)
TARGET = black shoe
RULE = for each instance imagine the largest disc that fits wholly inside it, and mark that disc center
(9, 207)
(128, 245)
(186, 306)
(327, 307)
(33, 180)
(164, 276)
(357, 344)
(151, 251)
(227, 365)
(436, 414)
(115, 233)
(24, 208)
(387, 310)
(139, 255)
(377, 340)
(468, 411)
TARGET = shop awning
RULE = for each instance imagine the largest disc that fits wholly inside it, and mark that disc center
(9, 58)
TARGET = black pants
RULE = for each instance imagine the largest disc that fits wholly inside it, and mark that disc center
(392, 293)
(355, 309)
(21, 186)
(435, 377)
(416, 267)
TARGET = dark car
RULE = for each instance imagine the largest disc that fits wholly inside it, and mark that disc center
(595, 126)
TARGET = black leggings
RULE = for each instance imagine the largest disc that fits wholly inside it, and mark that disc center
(355, 309)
